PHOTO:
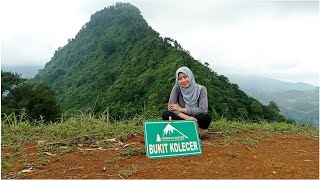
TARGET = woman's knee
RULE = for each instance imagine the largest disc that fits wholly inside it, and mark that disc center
(165, 115)
(207, 117)
(204, 120)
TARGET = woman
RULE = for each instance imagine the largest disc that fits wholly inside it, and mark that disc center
(188, 101)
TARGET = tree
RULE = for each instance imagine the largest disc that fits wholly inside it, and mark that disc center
(37, 100)
(272, 105)
(43, 102)
(256, 107)
(276, 113)
(9, 81)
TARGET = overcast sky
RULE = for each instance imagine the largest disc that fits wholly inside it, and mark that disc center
(278, 39)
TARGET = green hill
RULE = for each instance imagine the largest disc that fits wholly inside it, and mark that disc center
(302, 106)
(117, 61)
(297, 101)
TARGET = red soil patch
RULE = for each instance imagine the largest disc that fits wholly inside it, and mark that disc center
(272, 156)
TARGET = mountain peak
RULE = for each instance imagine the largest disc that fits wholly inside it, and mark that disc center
(118, 62)
(168, 129)
(121, 13)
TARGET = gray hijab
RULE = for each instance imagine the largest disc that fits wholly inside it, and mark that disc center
(190, 94)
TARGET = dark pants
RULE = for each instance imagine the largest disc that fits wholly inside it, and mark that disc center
(204, 120)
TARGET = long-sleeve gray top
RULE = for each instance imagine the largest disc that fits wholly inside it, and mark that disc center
(202, 107)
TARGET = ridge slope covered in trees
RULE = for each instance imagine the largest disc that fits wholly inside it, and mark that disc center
(118, 62)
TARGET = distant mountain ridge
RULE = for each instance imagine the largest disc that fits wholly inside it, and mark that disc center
(26, 71)
(298, 101)
(267, 84)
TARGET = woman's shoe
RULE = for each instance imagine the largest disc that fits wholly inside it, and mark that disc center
(203, 133)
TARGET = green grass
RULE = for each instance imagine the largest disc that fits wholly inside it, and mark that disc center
(62, 137)
(230, 127)
(86, 129)
(5, 165)
(132, 151)
(70, 132)
(227, 128)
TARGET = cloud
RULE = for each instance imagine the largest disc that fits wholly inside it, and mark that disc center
(253, 37)
(259, 37)
(34, 29)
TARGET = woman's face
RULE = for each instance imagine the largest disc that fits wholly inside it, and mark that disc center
(183, 80)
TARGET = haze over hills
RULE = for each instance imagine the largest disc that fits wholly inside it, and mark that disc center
(118, 62)
(26, 71)
(298, 101)
(261, 83)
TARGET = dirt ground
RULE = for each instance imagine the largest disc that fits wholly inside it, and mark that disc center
(239, 156)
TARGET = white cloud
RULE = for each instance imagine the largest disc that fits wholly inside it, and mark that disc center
(273, 38)
(261, 45)
(32, 30)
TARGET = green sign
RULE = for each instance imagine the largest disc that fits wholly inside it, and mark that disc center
(170, 139)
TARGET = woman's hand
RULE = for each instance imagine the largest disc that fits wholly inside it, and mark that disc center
(174, 107)
(193, 119)
(186, 117)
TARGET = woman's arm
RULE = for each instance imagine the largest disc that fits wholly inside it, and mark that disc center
(186, 117)
(203, 103)
(174, 96)
(177, 107)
